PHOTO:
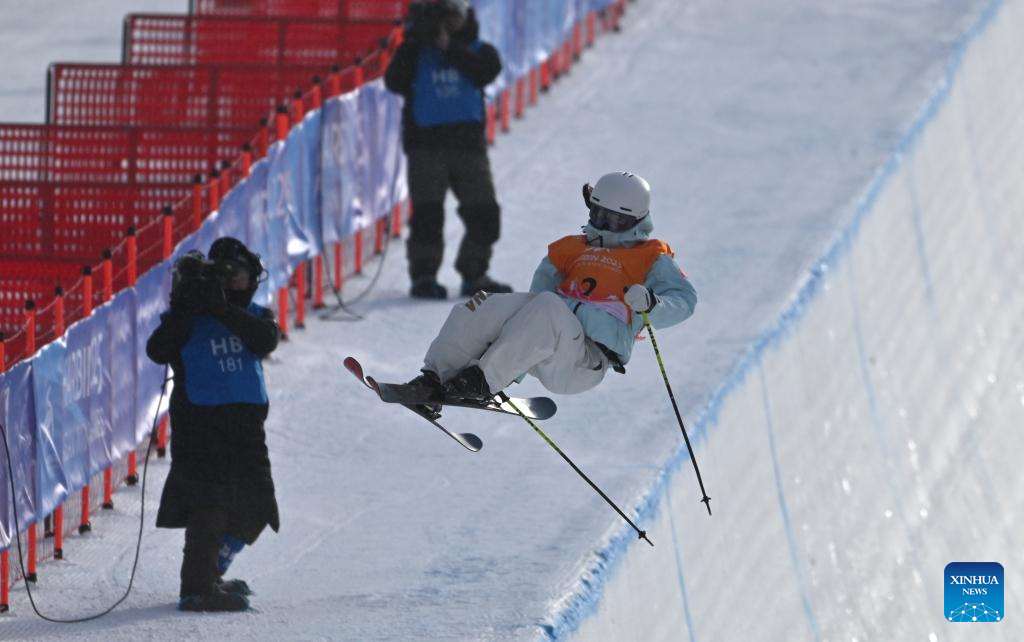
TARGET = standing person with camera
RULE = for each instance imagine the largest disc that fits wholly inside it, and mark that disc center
(441, 69)
(219, 488)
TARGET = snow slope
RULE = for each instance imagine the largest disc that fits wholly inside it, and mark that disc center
(758, 126)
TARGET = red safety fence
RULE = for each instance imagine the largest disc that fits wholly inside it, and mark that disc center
(204, 96)
(164, 39)
(346, 9)
(132, 233)
(114, 154)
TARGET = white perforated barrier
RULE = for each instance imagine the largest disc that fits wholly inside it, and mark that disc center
(876, 434)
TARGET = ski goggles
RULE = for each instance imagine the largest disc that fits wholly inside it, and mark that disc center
(608, 220)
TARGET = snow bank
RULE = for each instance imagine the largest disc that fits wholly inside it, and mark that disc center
(870, 437)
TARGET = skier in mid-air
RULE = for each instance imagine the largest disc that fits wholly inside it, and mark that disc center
(582, 314)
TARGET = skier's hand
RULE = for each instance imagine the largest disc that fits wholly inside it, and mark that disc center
(588, 189)
(641, 298)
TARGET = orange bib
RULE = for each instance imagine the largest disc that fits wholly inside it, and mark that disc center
(601, 275)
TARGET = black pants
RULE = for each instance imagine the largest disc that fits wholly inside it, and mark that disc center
(431, 172)
(203, 536)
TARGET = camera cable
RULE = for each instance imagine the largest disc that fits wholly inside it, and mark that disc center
(142, 515)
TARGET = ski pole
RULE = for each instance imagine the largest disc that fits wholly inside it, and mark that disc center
(642, 534)
(661, 364)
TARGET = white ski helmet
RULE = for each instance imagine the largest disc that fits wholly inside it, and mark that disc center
(623, 192)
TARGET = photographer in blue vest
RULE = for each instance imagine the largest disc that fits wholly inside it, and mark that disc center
(219, 488)
(441, 69)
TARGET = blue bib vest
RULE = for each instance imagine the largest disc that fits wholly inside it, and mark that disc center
(219, 368)
(441, 95)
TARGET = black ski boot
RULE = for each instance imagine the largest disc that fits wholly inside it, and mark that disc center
(218, 600)
(470, 385)
(486, 284)
(428, 386)
(428, 288)
(236, 587)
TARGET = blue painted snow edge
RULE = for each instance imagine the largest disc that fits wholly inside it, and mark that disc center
(605, 561)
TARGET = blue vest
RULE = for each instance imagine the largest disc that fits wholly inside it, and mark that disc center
(441, 95)
(219, 369)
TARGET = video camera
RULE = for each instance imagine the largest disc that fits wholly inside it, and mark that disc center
(196, 280)
(423, 22)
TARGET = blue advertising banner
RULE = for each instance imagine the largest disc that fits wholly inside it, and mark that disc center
(18, 415)
(345, 169)
(282, 205)
(152, 293)
(312, 222)
(48, 390)
(121, 367)
(73, 383)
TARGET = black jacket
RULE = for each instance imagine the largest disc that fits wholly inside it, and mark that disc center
(480, 67)
(218, 453)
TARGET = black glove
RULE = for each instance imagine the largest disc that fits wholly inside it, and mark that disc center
(214, 300)
(588, 189)
(187, 299)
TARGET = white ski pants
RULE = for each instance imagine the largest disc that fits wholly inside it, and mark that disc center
(508, 335)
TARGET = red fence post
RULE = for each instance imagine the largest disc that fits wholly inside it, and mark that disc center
(168, 236)
(108, 294)
(318, 282)
(520, 97)
(58, 513)
(358, 267)
(214, 191)
(506, 116)
(132, 260)
(492, 127)
(5, 582)
(246, 160)
(161, 432)
(334, 82)
(264, 140)
(318, 262)
(197, 201)
(30, 348)
(396, 221)
(84, 525)
(281, 125)
(532, 98)
(314, 94)
(357, 74)
(225, 178)
(300, 295)
(298, 108)
(337, 267)
(281, 122)
(5, 557)
(282, 311)
(591, 28)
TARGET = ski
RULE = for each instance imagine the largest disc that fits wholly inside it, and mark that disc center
(538, 408)
(467, 440)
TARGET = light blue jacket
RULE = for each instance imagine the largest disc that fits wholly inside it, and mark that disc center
(676, 296)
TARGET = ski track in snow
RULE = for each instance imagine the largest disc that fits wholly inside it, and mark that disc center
(757, 125)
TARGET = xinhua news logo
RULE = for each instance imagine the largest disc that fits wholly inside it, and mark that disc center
(974, 592)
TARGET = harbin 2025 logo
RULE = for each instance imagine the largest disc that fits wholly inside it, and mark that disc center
(974, 592)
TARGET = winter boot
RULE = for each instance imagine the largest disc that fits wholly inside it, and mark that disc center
(485, 283)
(427, 386)
(428, 288)
(237, 587)
(218, 600)
(471, 385)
